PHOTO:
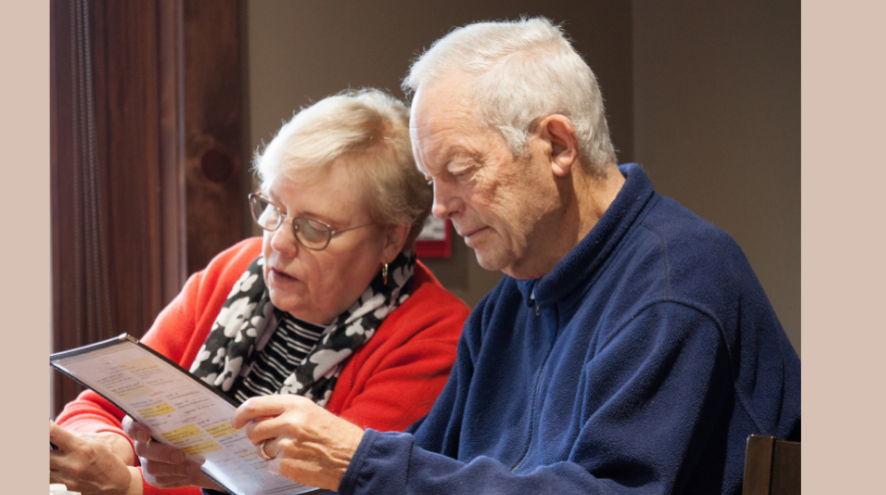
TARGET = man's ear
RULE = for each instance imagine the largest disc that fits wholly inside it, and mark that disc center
(395, 239)
(559, 131)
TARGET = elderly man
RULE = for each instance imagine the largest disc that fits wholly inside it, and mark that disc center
(629, 349)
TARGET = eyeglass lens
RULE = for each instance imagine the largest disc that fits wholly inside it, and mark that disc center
(266, 215)
(310, 233)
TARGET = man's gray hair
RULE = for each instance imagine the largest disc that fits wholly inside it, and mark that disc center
(522, 72)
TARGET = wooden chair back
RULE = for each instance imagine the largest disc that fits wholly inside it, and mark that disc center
(772, 467)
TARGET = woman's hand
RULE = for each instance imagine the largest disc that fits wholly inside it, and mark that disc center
(165, 466)
(307, 444)
(89, 465)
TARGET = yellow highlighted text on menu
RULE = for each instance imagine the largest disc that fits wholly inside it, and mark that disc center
(221, 429)
(201, 448)
(183, 433)
(154, 411)
(133, 391)
(140, 364)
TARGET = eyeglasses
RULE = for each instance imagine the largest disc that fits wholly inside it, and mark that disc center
(310, 233)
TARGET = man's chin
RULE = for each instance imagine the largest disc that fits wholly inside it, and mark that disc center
(508, 265)
(490, 261)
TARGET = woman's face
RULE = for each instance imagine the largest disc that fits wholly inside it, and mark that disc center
(317, 286)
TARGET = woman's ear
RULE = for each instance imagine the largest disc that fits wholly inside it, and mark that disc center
(394, 240)
(560, 133)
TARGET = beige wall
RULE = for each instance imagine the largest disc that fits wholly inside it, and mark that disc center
(717, 126)
(705, 97)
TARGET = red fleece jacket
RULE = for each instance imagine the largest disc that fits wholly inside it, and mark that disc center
(387, 384)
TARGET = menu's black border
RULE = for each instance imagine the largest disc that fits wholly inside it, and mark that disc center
(123, 338)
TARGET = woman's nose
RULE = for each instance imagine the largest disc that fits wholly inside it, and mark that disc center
(283, 240)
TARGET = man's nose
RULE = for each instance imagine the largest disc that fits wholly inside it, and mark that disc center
(447, 201)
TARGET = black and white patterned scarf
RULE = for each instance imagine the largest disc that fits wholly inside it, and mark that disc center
(248, 319)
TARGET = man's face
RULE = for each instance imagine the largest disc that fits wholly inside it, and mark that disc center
(496, 201)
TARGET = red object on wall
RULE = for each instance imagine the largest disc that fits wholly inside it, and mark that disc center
(441, 248)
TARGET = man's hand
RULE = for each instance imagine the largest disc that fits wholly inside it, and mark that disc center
(88, 464)
(165, 466)
(307, 444)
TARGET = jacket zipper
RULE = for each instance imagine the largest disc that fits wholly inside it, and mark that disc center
(532, 412)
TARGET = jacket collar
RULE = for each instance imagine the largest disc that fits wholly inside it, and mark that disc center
(586, 259)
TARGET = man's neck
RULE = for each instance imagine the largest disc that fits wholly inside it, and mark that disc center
(585, 198)
(594, 195)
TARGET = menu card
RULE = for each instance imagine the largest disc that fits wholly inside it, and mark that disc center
(180, 410)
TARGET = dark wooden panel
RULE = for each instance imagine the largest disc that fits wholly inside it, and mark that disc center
(128, 77)
(172, 152)
(116, 171)
(145, 176)
(213, 127)
(64, 332)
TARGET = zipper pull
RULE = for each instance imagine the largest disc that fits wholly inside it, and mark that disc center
(537, 310)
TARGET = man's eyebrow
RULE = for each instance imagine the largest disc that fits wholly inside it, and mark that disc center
(447, 155)
(444, 158)
(458, 151)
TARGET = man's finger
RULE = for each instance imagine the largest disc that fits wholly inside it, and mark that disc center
(274, 466)
(257, 407)
(261, 429)
(270, 449)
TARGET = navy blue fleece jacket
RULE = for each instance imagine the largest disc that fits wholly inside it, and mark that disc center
(639, 364)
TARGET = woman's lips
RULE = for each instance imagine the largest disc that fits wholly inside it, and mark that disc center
(279, 276)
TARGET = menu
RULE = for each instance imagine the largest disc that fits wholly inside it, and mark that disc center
(180, 410)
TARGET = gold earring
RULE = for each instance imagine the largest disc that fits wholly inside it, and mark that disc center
(384, 273)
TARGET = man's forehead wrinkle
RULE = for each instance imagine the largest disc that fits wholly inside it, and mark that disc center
(422, 158)
(433, 163)
(443, 128)
(450, 151)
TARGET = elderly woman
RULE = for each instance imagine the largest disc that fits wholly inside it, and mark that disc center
(330, 305)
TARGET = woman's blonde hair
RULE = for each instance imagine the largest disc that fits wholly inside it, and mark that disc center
(367, 124)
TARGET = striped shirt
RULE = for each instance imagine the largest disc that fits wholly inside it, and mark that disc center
(287, 348)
